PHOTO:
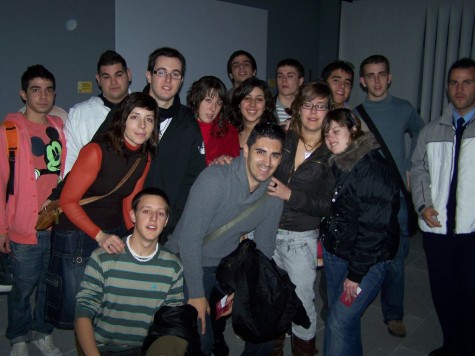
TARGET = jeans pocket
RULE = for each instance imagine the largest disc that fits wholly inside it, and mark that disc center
(53, 290)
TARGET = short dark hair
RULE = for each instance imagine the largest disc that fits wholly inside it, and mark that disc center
(166, 52)
(239, 53)
(462, 63)
(291, 62)
(150, 191)
(36, 71)
(244, 90)
(198, 91)
(268, 130)
(109, 58)
(343, 117)
(346, 67)
(374, 59)
(115, 134)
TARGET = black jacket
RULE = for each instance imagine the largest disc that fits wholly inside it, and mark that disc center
(265, 303)
(311, 184)
(363, 228)
(179, 161)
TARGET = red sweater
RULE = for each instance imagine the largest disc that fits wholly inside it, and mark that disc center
(216, 146)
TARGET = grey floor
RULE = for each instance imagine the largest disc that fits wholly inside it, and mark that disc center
(423, 330)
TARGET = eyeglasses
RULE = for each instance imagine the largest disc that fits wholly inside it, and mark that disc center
(310, 106)
(162, 73)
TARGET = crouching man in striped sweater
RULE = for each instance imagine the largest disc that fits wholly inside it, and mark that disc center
(120, 293)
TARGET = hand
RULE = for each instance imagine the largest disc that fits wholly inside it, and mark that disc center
(4, 243)
(202, 306)
(223, 159)
(429, 215)
(278, 189)
(350, 288)
(112, 244)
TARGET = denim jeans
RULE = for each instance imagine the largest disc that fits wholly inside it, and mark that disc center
(29, 267)
(210, 282)
(343, 327)
(296, 253)
(70, 252)
(392, 290)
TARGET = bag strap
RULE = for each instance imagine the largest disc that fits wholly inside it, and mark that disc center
(241, 216)
(389, 157)
(120, 184)
(11, 133)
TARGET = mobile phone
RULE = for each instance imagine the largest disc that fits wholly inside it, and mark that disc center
(349, 301)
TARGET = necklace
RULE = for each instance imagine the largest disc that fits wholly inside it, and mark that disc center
(308, 151)
(137, 256)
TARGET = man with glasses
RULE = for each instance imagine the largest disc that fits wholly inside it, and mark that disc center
(241, 66)
(290, 77)
(393, 117)
(181, 156)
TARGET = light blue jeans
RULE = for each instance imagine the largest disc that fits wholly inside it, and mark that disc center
(343, 327)
(29, 268)
(296, 253)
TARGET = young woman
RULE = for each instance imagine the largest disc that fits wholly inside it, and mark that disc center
(208, 100)
(251, 103)
(101, 165)
(305, 183)
(362, 234)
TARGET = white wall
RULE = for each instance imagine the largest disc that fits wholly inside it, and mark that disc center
(194, 28)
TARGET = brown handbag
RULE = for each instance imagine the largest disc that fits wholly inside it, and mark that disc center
(49, 215)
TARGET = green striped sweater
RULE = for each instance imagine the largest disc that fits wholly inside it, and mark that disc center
(121, 294)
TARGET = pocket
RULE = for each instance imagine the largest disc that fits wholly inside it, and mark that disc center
(54, 289)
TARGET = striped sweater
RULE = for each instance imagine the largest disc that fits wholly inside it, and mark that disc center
(121, 294)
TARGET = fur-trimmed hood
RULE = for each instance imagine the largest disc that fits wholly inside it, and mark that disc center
(355, 151)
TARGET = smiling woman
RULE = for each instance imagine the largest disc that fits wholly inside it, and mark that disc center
(125, 150)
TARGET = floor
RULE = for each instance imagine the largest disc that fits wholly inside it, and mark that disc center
(423, 330)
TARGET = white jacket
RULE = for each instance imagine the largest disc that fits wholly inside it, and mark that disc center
(432, 169)
(83, 121)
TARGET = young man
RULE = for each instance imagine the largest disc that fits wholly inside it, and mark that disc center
(241, 66)
(39, 162)
(219, 194)
(393, 117)
(181, 148)
(290, 77)
(442, 178)
(339, 75)
(120, 293)
(113, 77)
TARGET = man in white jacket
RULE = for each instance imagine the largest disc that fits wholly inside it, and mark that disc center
(113, 77)
(443, 176)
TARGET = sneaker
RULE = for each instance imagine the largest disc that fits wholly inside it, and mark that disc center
(5, 288)
(396, 328)
(19, 349)
(47, 346)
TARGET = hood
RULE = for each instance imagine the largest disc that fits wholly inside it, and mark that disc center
(357, 150)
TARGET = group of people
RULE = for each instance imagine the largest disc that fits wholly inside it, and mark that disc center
(144, 181)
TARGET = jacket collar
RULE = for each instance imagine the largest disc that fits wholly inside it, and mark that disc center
(357, 150)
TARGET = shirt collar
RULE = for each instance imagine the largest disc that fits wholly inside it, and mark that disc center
(466, 118)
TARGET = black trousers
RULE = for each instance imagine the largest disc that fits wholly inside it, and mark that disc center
(451, 265)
